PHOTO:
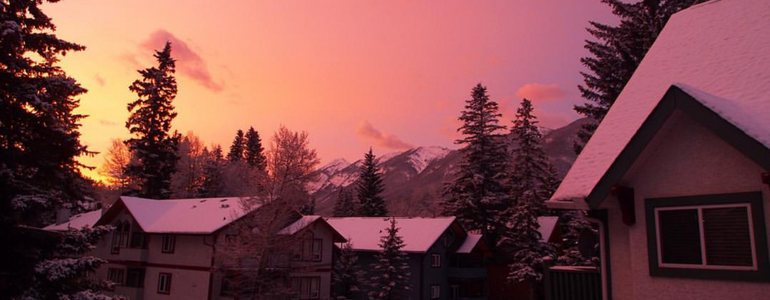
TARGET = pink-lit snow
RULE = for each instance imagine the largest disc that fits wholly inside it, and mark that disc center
(716, 51)
(365, 232)
(87, 219)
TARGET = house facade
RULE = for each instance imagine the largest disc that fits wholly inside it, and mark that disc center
(168, 249)
(445, 261)
(677, 173)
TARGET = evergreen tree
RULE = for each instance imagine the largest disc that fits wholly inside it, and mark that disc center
(254, 152)
(370, 188)
(345, 205)
(237, 148)
(531, 169)
(150, 122)
(617, 51)
(532, 179)
(348, 278)
(391, 279)
(479, 196)
(213, 169)
(39, 144)
(308, 208)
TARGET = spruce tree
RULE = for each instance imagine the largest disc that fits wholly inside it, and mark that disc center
(480, 195)
(370, 188)
(391, 269)
(149, 123)
(213, 173)
(39, 144)
(347, 278)
(345, 205)
(617, 51)
(237, 148)
(253, 150)
(533, 180)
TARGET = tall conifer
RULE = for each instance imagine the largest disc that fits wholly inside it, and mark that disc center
(253, 151)
(391, 270)
(237, 148)
(370, 188)
(149, 123)
(479, 196)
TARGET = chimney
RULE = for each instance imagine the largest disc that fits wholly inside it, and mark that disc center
(63, 215)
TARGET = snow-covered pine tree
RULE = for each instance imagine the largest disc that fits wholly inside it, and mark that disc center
(370, 187)
(149, 123)
(39, 144)
(533, 179)
(480, 195)
(391, 271)
(348, 277)
(345, 205)
(237, 148)
(617, 51)
(253, 150)
(213, 169)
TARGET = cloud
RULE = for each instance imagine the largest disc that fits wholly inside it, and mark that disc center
(99, 79)
(189, 63)
(380, 138)
(541, 92)
(104, 122)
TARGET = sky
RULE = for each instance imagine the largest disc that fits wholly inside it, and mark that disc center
(354, 74)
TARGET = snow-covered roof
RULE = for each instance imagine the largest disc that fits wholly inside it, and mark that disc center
(419, 234)
(298, 225)
(190, 216)
(469, 243)
(87, 219)
(718, 53)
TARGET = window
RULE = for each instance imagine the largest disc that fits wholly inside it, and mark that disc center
(435, 260)
(164, 283)
(308, 249)
(135, 277)
(435, 291)
(168, 243)
(455, 291)
(115, 275)
(120, 236)
(138, 240)
(305, 287)
(710, 237)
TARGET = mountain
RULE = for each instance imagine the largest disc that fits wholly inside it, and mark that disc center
(414, 178)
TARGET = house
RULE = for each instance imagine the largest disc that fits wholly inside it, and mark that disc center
(677, 173)
(445, 261)
(79, 221)
(167, 249)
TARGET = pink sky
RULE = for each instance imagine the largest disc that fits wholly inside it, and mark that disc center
(354, 74)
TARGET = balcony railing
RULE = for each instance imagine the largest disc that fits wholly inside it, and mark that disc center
(573, 283)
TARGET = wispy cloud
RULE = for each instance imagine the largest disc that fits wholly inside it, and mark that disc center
(99, 80)
(105, 122)
(189, 63)
(541, 92)
(381, 138)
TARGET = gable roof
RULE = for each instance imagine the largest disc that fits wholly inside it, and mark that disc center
(709, 61)
(186, 216)
(306, 221)
(419, 234)
(83, 220)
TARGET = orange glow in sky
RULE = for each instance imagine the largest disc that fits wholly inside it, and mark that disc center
(354, 74)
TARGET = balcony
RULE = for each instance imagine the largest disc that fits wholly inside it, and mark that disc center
(467, 273)
(573, 283)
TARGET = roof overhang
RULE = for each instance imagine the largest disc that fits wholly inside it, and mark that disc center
(674, 99)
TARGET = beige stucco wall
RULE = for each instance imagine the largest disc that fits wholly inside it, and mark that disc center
(185, 284)
(684, 159)
(189, 250)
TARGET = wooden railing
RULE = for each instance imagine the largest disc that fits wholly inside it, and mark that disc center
(573, 283)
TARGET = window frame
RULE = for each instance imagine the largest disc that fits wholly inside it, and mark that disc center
(119, 274)
(172, 239)
(168, 285)
(753, 201)
(435, 260)
(435, 291)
